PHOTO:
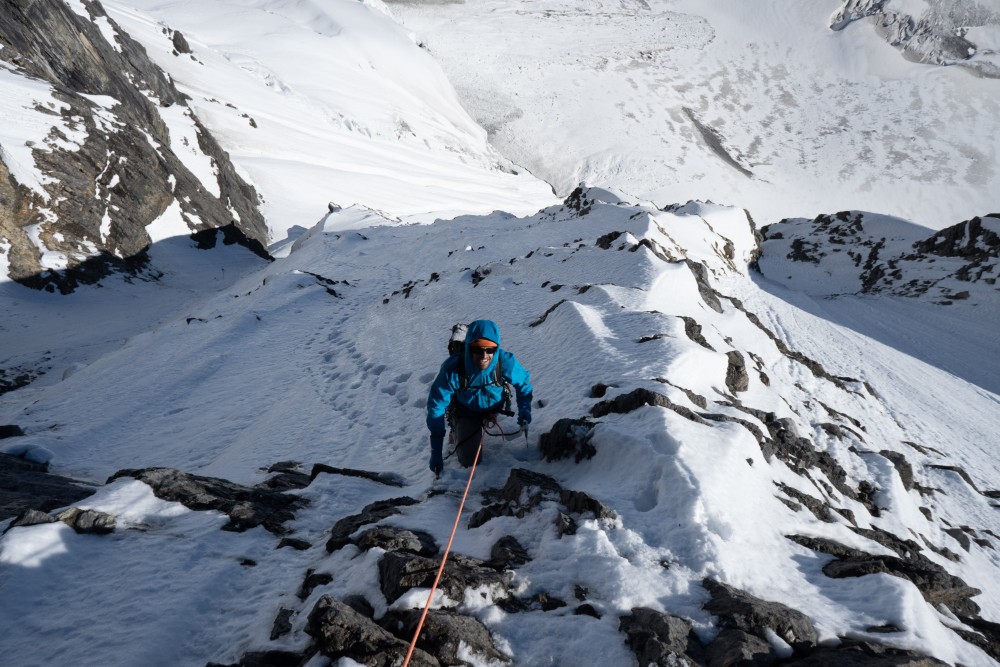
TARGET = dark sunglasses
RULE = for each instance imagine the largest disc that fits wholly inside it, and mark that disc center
(482, 350)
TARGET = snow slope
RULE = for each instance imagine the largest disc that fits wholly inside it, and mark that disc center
(331, 101)
(325, 356)
(759, 105)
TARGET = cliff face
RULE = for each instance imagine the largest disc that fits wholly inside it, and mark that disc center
(119, 155)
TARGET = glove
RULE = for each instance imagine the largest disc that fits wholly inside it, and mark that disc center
(437, 460)
(523, 419)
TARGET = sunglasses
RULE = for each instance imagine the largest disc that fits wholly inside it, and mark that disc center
(482, 350)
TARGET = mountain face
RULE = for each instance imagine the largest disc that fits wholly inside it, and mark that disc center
(116, 159)
(943, 33)
(852, 252)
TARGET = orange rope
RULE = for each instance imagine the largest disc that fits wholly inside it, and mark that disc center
(444, 559)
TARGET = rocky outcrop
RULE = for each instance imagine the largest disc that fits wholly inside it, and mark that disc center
(27, 486)
(525, 490)
(342, 632)
(109, 166)
(752, 632)
(940, 35)
(871, 255)
(246, 507)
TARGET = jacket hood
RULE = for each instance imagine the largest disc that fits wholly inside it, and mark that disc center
(487, 329)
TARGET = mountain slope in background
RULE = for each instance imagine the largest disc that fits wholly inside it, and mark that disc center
(757, 105)
(100, 155)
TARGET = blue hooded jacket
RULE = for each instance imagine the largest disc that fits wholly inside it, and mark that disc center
(481, 394)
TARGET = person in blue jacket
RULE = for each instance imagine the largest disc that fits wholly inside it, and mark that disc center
(472, 383)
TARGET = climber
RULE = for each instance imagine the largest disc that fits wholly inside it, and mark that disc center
(471, 388)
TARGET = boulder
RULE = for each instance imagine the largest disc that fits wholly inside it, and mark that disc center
(525, 490)
(400, 571)
(442, 634)
(340, 534)
(739, 610)
(661, 639)
(341, 632)
(87, 522)
(389, 538)
(736, 647)
(568, 438)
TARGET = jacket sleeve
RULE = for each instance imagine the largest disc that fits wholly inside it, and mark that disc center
(439, 398)
(520, 378)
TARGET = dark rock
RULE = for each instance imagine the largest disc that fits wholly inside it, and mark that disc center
(737, 378)
(857, 653)
(340, 534)
(579, 502)
(536, 602)
(180, 44)
(526, 489)
(818, 508)
(360, 604)
(933, 581)
(24, 485)
(507, 553)
(568, 437)
(341, 632)
(565, 525)
(705, 289)
(638, 398)
(401, 571)
(298, 545)
(741, 611)
(442, 634)
(984, 634)
(693, 331)
(268, 659)
(888, 628)
(604, 242)
(31, 518)
(312, 580)
(902, 466)
(522, 492)
(389, 479)
(587, 609)
(246, 507)
(737, 647)
(660, 639)
(285, 481)
(87, 522)
(282, 623)
(597, 391)
(10, 431)
(398, 539)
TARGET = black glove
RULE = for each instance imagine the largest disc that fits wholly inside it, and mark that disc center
(437, 459)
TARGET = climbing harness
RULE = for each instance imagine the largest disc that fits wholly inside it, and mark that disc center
(444, 558)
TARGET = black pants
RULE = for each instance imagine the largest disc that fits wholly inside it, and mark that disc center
(467, 432)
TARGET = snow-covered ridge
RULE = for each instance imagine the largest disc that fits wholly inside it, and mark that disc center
(731, 437)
